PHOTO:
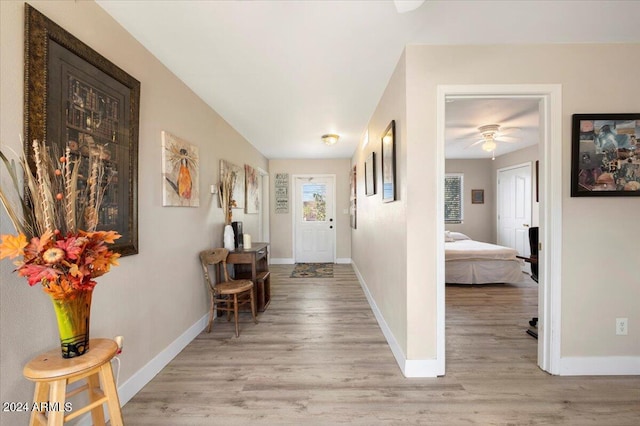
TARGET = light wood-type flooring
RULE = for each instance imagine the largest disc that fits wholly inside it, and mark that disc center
(318, 357)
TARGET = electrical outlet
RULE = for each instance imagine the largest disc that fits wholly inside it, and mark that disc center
(622, 326)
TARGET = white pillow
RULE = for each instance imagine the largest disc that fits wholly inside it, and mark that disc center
(447, 237)
(457, 236)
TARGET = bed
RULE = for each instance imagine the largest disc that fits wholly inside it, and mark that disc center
(475, 262)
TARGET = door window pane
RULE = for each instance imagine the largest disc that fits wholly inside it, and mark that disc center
(314, 202)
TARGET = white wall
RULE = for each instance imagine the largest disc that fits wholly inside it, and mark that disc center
(281, 227)
(152, 298)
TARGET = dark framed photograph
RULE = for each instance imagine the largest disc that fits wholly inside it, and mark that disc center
(389, 163)
(605, 155)
(78, 100)
(477, 196)
(370, 174)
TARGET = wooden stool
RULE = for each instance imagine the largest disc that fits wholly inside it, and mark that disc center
(52, 374)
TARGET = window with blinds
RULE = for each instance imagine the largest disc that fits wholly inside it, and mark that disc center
(453, 198)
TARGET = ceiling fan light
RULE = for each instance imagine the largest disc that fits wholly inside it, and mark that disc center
(489, 145)
(330, 139)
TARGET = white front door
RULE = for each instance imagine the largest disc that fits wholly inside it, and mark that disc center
(514, 208)
(315, 227)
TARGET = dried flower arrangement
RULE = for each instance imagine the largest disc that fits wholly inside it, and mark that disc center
(57, 241)
(225, 194)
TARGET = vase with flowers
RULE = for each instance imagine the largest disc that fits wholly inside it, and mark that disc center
(58, 244)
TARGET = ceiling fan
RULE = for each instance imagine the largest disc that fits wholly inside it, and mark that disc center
(491, 134)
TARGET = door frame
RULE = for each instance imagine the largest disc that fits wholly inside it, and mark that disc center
(294, 207)
(499, 198)
(550, 218)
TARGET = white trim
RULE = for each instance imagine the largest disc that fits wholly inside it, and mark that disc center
(343, 260)
(409, 367)
(282, 261)
(142, 377)
(600, 366)
(550, 274)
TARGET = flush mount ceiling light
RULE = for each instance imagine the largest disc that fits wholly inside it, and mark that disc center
(330, 139)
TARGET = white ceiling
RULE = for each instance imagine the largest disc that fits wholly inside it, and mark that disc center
(283, 73)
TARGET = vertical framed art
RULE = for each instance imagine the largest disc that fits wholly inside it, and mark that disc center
(389, 163)
(78, 100)
(180, 183)
(605, 155)
(370, 175)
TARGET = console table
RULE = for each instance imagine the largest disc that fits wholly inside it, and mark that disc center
(252, 264)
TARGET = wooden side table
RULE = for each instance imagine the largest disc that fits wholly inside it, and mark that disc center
(252, 264)
(52, 374)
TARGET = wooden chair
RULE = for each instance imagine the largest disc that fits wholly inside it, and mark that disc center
(226, 294)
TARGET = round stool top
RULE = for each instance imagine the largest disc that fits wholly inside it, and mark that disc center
(51, 366)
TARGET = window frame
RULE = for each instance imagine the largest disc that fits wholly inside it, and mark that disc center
(460, 219)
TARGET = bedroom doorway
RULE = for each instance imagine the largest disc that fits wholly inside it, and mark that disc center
(548, 98)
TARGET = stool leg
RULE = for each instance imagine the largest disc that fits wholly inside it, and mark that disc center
(57, 395)
(111, 392)
(41, 394)
(97, 414)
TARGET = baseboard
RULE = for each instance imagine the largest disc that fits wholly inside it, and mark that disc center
(409, 367)
(281, 261)
(135, 383)
(343, 260)
(600, 366)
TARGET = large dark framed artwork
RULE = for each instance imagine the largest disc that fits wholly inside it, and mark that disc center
(389, 163)
(605, 155)
(75, 98)
(370, 174)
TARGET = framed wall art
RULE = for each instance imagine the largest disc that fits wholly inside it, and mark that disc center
(238, 188)
(75, 98)
(370, 174)
(605, 155)
(353, 198)
(253, 190)
(180, 159)
(389, 163)
(477, 196)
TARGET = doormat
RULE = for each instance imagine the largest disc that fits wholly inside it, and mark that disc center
(313, 270)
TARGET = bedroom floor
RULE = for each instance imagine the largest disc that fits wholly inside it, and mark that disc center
(318, 357)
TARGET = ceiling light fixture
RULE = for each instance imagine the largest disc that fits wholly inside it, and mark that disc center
(330, 139)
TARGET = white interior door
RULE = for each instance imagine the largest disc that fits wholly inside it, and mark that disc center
(514, 208)
(315, 227)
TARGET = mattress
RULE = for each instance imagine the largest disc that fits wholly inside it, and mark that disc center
(476, 262)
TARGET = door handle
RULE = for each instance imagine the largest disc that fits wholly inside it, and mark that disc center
(331, 227)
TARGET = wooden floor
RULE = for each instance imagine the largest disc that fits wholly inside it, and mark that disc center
(318, 357)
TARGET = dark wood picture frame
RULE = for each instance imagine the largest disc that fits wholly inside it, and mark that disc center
(477, 196)
(370, 174)
(75, 97)
(389, 163)
(605, 155)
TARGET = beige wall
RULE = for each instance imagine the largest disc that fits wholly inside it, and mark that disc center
(478, 219)
(596, 265)
(281, 226)
(152, 297)
(379, 247)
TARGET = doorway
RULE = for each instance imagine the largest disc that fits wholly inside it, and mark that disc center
(550, 181)
(313, 219)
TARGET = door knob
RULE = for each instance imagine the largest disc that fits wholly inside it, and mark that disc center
(331, 227)
(331, 220)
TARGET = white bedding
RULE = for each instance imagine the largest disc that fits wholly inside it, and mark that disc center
(475, 262)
